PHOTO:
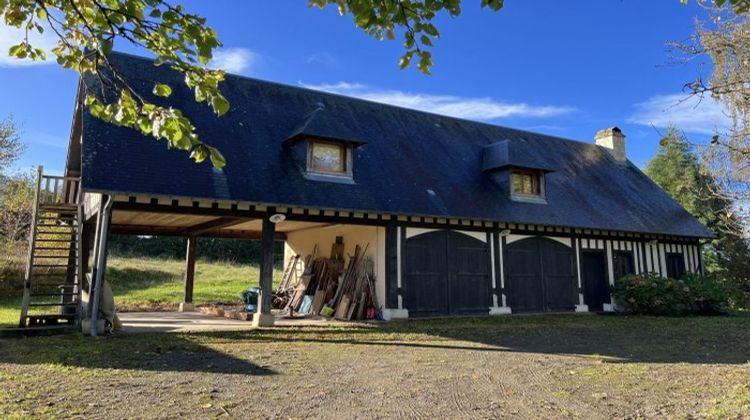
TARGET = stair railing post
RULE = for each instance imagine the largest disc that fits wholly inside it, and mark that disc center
(79, 256)
(30, 259)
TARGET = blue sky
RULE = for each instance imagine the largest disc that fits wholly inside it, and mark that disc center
(566, 68)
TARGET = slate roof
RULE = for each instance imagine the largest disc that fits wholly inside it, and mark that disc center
(409, 162)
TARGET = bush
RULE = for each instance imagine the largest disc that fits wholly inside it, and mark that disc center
(651, 294)
(12, 267)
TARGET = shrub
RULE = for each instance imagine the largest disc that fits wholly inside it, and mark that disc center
(12, 266)
(651, 294)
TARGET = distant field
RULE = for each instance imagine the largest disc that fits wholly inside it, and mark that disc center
(156, 284)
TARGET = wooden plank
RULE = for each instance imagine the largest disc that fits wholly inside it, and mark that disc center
(219, 223)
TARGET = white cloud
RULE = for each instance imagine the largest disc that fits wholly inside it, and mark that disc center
(454, 106)
(10, 36)
(234, 60)
(323, 58)
(691, 114)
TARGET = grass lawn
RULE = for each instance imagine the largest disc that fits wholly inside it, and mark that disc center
(156, 284)
(147, 284)
(543, 366)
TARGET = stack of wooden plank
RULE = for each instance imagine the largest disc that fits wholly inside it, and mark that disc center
(356, 297)
(348, 293)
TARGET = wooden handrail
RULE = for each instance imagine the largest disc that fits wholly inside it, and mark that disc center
(56, 189)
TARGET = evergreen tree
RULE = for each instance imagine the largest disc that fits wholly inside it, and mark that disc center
(677, 169)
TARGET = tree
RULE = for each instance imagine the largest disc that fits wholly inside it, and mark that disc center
(16, 190)
(677, 169)
(16, 206)
(724, 40)
(11, 146)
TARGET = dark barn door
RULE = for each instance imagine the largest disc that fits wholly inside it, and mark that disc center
(539, 276)
(446, 273)
(594, 280)
(469, 274)
(524, 276)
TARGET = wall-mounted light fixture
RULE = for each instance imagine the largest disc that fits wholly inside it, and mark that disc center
(277, 218)
(653, 242)
(505, 232)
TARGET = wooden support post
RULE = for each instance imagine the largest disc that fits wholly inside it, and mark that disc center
(263, 317)
(187, 302)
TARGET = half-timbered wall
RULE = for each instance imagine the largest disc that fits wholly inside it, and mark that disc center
(648, 255)
(649, 251)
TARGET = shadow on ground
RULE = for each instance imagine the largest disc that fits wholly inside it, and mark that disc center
(623, 339)
(616, 339)
(150, 352)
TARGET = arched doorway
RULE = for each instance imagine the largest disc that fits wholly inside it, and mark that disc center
(539, 276)
(446, 273)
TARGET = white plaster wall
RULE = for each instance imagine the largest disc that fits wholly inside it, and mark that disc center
(303, 241)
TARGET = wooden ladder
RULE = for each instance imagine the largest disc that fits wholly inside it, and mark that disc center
(52, 284)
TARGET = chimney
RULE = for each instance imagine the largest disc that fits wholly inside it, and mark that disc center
(613, 140)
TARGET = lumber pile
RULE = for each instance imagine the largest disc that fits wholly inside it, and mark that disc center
(328, 287)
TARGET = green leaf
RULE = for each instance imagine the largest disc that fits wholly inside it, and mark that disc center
(162, 90)
(217, 159)
(106, 46)
(220, 104)
(41, 13)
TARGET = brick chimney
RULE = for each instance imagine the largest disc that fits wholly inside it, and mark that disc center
(613, 140)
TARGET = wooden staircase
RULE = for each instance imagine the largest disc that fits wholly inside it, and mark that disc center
(52, 284)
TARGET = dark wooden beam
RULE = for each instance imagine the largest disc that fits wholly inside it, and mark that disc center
(266, 266)
(192, 243)
(180, 231)
(220, 223)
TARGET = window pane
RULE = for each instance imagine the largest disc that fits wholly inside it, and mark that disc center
(525, 183)
(517, 188)
(328, 157)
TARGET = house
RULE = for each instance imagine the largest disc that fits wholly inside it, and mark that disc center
(461, 217)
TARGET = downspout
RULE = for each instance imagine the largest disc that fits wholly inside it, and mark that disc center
(102, 246)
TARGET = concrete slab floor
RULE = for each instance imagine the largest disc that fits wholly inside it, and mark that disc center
(180, 322)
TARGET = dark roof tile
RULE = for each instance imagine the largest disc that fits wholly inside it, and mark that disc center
(406, 153)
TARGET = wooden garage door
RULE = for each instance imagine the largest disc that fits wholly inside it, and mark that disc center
(539, 276)
(446, 273)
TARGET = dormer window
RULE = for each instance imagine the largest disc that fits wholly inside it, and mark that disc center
(329, 158)
(526, 183)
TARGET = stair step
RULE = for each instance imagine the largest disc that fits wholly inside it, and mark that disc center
(58, 285)
(48, 320)
(55, 240)
(54, 265)
(39, 305)
(53, 294)
(58, 274)
(46, 248)
(58, 206)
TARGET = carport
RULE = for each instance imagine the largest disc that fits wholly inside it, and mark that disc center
(303, 231)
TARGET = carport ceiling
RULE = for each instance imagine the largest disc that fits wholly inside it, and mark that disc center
(180, 224)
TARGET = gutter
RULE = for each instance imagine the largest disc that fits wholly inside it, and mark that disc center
(100, 260)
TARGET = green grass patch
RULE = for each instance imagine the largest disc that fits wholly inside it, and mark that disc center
(148, 283)
(157, 284)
